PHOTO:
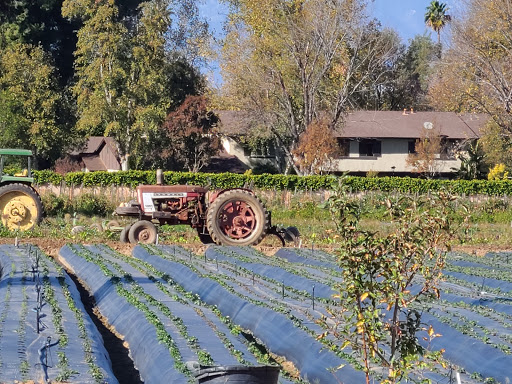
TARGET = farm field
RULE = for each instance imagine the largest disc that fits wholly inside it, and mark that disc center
(227, 306)
(45, 333)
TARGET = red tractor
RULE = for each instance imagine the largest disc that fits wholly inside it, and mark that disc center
(225, 217)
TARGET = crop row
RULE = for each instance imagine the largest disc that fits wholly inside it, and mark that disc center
(228, 306)
(164, 326)
(45, 332)
(278, 284)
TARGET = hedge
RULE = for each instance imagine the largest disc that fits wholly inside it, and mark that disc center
(277, 182)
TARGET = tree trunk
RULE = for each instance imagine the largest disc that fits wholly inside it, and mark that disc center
(125, 165)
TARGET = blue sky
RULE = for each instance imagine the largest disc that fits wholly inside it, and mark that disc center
(405, 16)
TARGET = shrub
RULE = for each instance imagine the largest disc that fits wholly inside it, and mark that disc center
(92, 205)
(499, 172)
(54, 205)
(280, 182)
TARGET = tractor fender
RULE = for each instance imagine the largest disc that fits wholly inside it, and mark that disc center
(219, 192)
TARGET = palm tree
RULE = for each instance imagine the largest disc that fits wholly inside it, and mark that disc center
(436, 17)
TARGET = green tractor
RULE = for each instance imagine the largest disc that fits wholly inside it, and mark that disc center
(20, 204)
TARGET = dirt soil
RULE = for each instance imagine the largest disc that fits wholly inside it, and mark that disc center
(51, 246)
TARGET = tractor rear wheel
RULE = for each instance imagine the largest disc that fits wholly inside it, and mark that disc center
(237, 217)
(20, 207)
(143, 232)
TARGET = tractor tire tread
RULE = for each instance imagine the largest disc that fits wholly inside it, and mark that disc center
(30, 191)
(241, 195)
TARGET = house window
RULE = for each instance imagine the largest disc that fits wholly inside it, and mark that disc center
(370, 148)
(412, 146)
(344, 147)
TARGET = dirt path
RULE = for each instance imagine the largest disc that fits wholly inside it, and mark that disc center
(51, 246)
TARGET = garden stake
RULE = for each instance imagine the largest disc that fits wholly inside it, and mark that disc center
(217, 262)
(37, 319)
(40, 300)
(204, 257)
(283, 289)
(252, 277)
(313, 297)
(38, 307)
(483, 281)
(33, 272)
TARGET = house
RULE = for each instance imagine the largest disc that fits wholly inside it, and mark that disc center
(373, 141)
(99, 154)
(381, 141)
(233, 127)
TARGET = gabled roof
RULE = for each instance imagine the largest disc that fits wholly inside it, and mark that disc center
(90, 153)
(94, 144)
(398, 124)
(233, 123)
(381, 124)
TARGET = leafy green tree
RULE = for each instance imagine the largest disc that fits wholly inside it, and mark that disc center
(39, 23)
(126, 80)
(437, 18)
(402, 80)
(32, 109)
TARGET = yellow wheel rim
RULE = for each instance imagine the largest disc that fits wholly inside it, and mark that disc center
(18, 210)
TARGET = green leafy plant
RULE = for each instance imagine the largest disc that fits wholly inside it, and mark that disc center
(375, 296)
(279, 182)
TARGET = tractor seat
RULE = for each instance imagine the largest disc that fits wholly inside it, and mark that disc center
(23, 173)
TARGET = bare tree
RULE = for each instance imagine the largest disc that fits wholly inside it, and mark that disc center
(287, 62)
(476, 73)
(425, 160)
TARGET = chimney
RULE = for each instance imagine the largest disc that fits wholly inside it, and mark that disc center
(412, 110)
(405, 112)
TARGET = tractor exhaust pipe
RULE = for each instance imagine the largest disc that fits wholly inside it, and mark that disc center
(159, 177)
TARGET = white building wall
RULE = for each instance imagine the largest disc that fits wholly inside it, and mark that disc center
(394, 154)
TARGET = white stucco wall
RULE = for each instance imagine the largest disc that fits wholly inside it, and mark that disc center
(394, 153)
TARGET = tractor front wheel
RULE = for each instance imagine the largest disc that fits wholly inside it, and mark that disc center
(123, 237)
(20, 207)
(143, 232)
(237, 217)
